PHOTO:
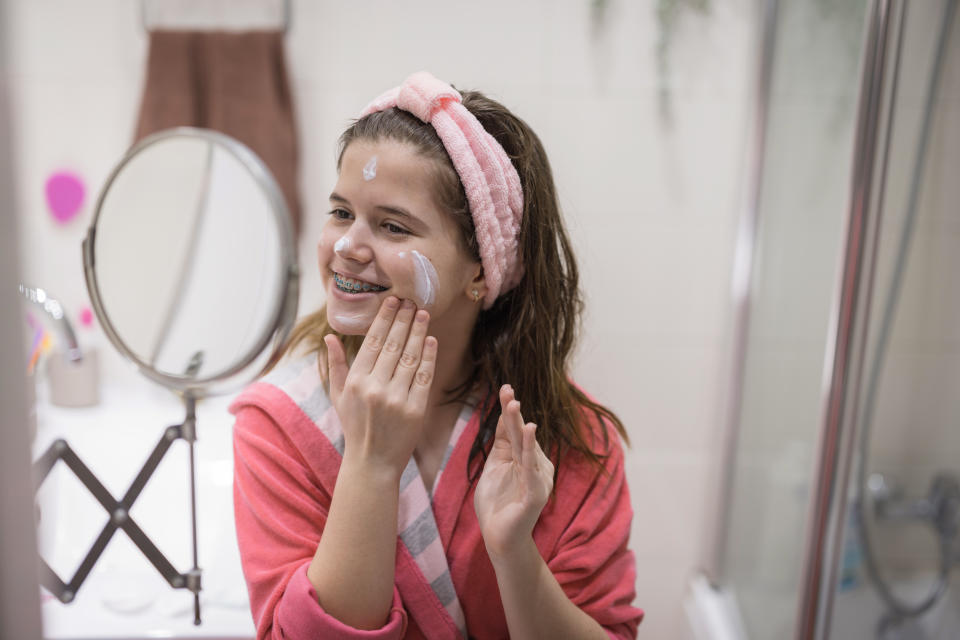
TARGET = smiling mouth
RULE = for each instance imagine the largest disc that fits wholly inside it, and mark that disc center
(352, 285)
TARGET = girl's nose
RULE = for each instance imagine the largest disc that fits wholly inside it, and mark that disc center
(353, 246)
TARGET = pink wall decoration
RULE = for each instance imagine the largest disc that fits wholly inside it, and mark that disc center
(86, 317)
(65, 192)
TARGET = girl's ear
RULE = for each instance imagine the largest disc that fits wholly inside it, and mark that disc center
(477, 287)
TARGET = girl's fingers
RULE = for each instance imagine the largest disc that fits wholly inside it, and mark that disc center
(410, 358)
(529, 457)
(545, 465)
(376, 335)
(510, 414)
(336, 365)
(501, 429)
(506, 395)
(536, 465)
(396, 338)
(423, 379)
(515, 428)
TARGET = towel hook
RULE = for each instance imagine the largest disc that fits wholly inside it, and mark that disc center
(287, 15)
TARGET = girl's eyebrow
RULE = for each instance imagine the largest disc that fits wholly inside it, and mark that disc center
(336, 197)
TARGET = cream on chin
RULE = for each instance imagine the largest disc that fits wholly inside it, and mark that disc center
(350, 323)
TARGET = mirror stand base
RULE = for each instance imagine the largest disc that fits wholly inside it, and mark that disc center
(119, 512)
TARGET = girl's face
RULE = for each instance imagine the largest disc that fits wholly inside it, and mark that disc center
(386, 236)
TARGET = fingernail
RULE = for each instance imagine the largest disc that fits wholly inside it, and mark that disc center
(421, 316)
(407, 304)
(391, 302)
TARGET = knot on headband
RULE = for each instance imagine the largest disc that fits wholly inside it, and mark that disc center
(489, 179)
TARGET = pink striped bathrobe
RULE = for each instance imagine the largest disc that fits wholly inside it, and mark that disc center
(288, 444)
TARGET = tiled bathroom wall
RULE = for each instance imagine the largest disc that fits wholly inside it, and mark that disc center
(642, 107)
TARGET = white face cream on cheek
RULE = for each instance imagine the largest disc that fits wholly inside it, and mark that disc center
(425, 278)
(370, 169)
(341, 245)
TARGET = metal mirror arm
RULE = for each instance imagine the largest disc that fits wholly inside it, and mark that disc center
(119, 512)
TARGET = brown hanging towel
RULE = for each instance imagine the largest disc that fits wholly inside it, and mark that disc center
(232, 82)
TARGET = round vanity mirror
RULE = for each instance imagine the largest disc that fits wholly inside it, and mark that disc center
(190, 261)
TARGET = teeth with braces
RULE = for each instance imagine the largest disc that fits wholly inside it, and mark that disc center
(355, 287)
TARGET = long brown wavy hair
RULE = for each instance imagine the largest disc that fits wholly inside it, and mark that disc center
(527, 337)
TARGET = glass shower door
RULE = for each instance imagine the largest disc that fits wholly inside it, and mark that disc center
(801, 209)
(898, 572)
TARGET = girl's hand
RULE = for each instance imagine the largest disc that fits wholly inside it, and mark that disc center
(516, 481)
(382, 398)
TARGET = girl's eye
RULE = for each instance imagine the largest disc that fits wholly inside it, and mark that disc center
(395, 229)
(340, 214)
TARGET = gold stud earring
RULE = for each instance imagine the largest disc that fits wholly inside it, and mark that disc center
(476, 295)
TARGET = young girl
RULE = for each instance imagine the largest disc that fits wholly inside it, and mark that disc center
(389, 484)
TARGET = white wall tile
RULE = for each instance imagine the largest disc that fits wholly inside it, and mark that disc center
(667, 490)
(655, 400)
(660, 586)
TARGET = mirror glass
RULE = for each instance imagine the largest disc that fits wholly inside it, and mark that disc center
(190, 260)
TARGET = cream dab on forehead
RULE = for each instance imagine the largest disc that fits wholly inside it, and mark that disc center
(425, 278)
(370, 169)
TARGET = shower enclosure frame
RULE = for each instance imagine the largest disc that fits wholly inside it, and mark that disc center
(847, 335)
(846, 343)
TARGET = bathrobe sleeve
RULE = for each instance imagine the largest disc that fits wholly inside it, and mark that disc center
(280, 508)
(590, 558)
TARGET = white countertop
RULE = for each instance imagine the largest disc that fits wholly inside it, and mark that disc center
(124, 596)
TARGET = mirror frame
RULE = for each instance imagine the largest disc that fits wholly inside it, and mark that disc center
(284, 311)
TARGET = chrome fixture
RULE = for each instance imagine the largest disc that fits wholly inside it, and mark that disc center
(54, 309)
(940, 507)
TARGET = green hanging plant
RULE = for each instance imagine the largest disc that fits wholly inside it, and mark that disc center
(668, 18)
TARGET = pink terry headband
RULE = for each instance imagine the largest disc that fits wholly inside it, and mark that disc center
(488, 177)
